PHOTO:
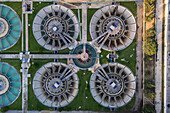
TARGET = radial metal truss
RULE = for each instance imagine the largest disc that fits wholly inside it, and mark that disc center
(55, 84)
(113, 27)
(88, 58)
(113, 85)
(56, 27)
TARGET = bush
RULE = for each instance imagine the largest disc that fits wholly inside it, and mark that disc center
(149, 85)
(147, 73)
(150, 46)
(147, 59)
(148, 108)
(150, 33)
(149, 90)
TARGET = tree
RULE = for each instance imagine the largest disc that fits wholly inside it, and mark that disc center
(150, 46)
(150, 1)
(149, 5)
(150, 17)
(150, 33)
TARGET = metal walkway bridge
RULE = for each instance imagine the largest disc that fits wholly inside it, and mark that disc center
(39, 56)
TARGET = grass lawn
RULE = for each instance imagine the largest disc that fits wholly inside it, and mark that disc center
(128, 106)
(17, 105)
(103, 54)
(76, 13)
(17, 47)
(34, 47)
(131, 6)
(33, 103)
(125, 55)
(84, 89)
(129, 62)
(88, 104)
(90, 13)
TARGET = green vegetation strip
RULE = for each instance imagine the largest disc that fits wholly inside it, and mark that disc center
(127, 56)
(33, 102)
(84, 100)
(34, 47)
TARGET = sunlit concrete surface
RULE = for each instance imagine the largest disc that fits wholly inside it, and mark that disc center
(113, 85)
(55, 84)
(56, 27)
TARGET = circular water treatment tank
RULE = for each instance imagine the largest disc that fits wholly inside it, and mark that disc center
(90, 56)
(10, 27)
(10, 84)
(55, 27)
(113, 85)
(113, 27)
(55, 84)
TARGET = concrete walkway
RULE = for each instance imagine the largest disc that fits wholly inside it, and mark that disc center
(139, 58)
(166, 59)
(26, 31)
(25, 67)
(40, 56)
(158, 67)
(84, 23)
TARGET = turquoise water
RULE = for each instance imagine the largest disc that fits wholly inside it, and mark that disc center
(7, 70)
(10, 96)
(11, 72)
(0, 66)
(0, 102)
(16, 84)
(14, 91)
(14, 78)
(5, 43)
(0, 8)
(5, 100)
(16, 27)
(4, 11)
(10, 15)
(14, 34)
(1, 46)
(8, 41)
(14, 21)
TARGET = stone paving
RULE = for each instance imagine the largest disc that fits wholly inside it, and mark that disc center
(84, 23)
(25, 67)
(26, 31)
(139, 58)
(158, 63)
(167, 59)
(39, 56)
